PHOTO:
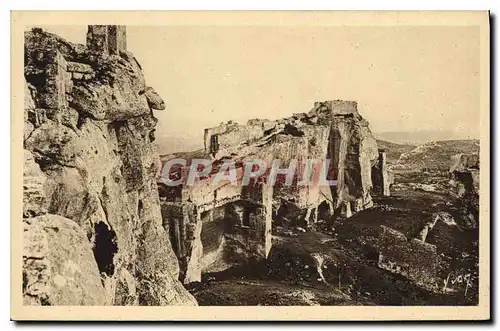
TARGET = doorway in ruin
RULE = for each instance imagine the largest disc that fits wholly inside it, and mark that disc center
(323, 211)
(223, 229)
(214, 143)
(212, 229)
(289, 214)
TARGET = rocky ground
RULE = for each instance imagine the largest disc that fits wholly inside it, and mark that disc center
(336, 263)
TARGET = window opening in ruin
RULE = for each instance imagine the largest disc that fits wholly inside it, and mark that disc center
(246, 218)
(105, 248)
(214, 143)
(323, 211)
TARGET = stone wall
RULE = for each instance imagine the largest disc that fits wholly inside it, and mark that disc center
(411, 258)
(107, 39)
(353, 150)
(93, 227)
(232, 134)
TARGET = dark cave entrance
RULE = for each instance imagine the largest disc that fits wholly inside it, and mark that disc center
(246, 218)
(324, 211)
(105, 248)
(139, 208)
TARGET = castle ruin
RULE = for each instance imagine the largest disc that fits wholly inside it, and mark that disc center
(213, 227)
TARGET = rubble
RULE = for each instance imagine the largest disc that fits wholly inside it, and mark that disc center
(411, 258)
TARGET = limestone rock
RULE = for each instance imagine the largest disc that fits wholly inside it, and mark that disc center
(124, 99)
(156, 281)
(29, 111)
(58, 265)
(29, 104)
(70, 196)
(464, 179)
(90, 133)
(353, 149)
(154, 100)
(34, 197)
(237, 218)
(413, 259)
(53, 145)
(80, 67)
(462, 162)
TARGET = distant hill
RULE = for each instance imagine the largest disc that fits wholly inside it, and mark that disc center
(176, 144)
(196, 154)
(394, 150)
(420, 137)
(435, 155)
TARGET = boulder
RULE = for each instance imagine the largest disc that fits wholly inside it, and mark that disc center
(53, 145)
(414, 259)
(463, 162)
(34, 180)
(154, 99)
(59, 268)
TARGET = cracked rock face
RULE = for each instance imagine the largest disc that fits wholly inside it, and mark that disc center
(58, 265)
(93, 228)
(464, 178)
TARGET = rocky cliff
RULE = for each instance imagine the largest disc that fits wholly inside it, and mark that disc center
(214, 227)
(464, 180)
(93, 231)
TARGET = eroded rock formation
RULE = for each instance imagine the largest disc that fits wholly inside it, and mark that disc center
(214, 226)
(464, 177)
(93, 231)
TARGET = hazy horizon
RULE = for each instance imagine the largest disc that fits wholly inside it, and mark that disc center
(405, 79)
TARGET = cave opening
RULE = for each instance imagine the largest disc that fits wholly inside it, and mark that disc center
(105, 248)
(324, 211)
(246, 218)
(139, 208)
(292, 130)
(214, 143)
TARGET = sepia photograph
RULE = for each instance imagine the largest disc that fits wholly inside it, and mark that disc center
(186, 161)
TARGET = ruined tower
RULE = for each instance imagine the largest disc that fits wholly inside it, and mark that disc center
(107, 39)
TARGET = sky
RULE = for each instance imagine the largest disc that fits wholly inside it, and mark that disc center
(416, 78)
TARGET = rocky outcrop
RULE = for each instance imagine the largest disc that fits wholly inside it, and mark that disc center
(58, 265)
(93, 227)
(353, 151)
(411, 258)
(216, 226)
(464, 179)
(154, 100)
